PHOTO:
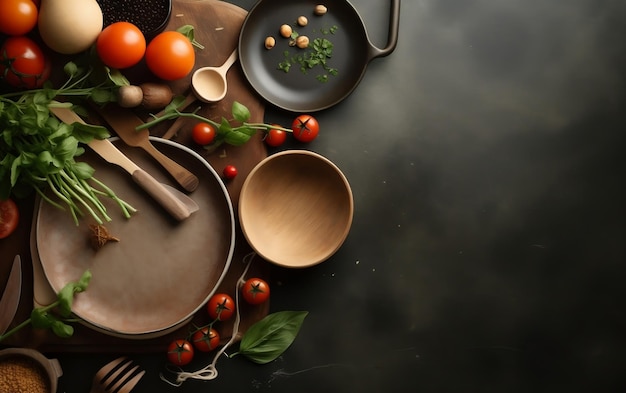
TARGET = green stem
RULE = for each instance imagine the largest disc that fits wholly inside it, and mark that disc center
(127, 209)
(81, 189)
(69, 188)
(57, 188)
(27, 321)
(15, 329)
(194, 115)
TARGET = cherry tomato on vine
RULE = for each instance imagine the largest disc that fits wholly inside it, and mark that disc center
(121, 45)
(23, 63)
(221, 306)
(206, 339)
(275, 137)
(305, 128)
(230, 172)
(255, 291)
(203, 133)
(180, 352)
(170, 55)
(17, 17)
(9, 217)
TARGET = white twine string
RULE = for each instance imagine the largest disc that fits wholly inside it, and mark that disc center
(210, 371)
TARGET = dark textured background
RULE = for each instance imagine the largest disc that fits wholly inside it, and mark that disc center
(486, 157)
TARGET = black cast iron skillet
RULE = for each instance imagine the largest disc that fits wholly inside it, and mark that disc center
(295, 91)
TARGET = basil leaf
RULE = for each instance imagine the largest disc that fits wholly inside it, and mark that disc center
(236, 138)
(188, 31)
(271, 336)
(240, 112)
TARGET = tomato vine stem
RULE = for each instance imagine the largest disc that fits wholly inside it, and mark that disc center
(226, 132)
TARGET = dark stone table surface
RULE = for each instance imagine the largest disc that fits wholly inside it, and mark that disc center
(488, 248)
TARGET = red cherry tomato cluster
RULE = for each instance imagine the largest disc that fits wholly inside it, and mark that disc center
(220, 307)
(304, 128)
(169, 55)
(24, 64)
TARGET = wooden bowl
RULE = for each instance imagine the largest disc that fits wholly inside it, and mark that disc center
(47, 371)
(296, 208)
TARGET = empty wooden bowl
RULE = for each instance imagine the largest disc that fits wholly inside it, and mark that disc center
(296, 208)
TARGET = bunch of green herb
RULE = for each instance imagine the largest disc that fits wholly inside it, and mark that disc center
(226, 132)
(37, 151)
(55, 316)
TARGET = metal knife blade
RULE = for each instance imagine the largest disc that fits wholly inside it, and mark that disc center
(110, 153)
(11, 296)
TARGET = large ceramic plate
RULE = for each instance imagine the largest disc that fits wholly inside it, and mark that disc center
(162, 271)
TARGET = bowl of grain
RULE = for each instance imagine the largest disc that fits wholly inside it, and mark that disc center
(27, 370)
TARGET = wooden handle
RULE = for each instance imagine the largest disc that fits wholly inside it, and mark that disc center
(186, 179)
(175, 207)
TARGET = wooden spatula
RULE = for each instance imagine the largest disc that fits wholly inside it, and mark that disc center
(124, 122)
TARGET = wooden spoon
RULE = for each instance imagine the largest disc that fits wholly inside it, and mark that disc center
(124, 122)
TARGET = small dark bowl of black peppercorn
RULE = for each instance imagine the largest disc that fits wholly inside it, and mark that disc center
(150, 16)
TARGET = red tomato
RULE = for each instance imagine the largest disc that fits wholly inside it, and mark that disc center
(17, 17)
(305, 128)
(22, 63)
(275, 137)
(230, 172)
(206, 339)
(255, 291)
(221, 306)
(170, 55)
(180, 352)
(203, 133)
(121, 45)
(9, 217)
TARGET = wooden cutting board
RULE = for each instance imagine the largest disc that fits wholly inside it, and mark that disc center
(217, 25)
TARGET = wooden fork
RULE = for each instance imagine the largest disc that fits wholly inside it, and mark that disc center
(107, 382)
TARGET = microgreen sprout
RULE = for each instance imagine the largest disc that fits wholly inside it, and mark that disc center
(38, 152)
(56, 315)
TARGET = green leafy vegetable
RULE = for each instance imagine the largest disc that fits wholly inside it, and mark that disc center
(226, 132)
(38, 151)
(270, 337)
(45, 317)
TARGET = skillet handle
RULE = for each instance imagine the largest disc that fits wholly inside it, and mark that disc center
(392, 38)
